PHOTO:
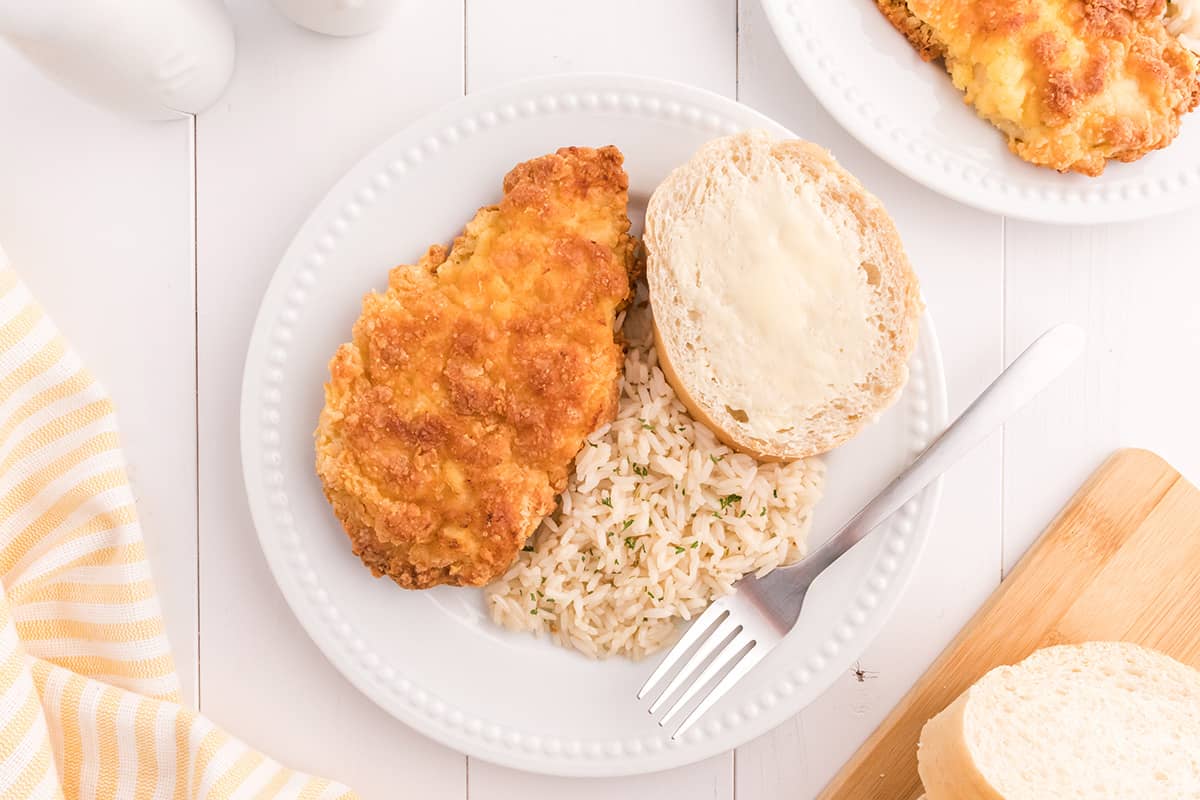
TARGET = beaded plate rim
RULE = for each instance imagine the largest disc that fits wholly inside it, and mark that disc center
(283, 544)
(1116, 196)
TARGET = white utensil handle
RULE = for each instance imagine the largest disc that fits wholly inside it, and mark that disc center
(1030, 373)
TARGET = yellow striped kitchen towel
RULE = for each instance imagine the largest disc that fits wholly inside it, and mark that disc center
(89, 698)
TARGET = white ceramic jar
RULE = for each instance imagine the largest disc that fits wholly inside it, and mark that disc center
(338, 17)
(156, 59)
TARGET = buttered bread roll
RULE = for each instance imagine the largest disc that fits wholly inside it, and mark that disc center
(785, 309)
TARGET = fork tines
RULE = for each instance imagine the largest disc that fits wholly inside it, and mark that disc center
(718, 650)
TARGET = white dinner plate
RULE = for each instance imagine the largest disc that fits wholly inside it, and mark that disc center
(909, 113)
(433, 658)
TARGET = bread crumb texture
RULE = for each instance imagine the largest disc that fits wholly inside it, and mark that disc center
(1072, 83)
(1098, 721)
(452, 417)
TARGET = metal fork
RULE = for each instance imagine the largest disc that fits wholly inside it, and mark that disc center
(737, 631)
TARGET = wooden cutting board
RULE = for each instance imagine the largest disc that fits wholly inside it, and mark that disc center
(1121, 562)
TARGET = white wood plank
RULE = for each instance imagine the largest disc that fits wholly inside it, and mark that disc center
(301, 110)
(96, 213)
(1134, 287)
(957, 254)
(711, 779)
(693, 41)
(687, 40)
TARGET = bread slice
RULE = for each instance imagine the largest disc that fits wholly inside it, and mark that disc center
(1098, 720)
(785, 309)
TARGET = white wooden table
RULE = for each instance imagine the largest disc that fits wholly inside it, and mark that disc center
(152, 243)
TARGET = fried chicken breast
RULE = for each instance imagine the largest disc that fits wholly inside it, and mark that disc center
(452, 418)
(1073, 83)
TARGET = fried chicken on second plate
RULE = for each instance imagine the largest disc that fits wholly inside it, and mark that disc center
(1073, 83)
(452, 418)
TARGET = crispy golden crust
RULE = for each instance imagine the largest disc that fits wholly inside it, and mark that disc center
(453, 416)
(1073, 83)
(919, 35)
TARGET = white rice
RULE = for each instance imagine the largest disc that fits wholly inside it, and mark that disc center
(658, 519)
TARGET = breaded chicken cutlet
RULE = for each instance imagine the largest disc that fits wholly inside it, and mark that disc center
(1073, 83)
(452, 418)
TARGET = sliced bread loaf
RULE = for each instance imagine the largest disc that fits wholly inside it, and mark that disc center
(1097, 721)
(785, 308)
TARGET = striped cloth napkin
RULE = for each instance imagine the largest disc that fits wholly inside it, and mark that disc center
(89, 698)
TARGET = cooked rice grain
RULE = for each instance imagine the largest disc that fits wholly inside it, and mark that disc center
(658, 519)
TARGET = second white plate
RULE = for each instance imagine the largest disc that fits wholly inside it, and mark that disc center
(432, 658)
(909, 113)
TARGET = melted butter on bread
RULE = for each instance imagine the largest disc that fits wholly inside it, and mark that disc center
(785, 308)
(781, 283)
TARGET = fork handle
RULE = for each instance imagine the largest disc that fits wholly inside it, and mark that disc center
(1032, 371)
